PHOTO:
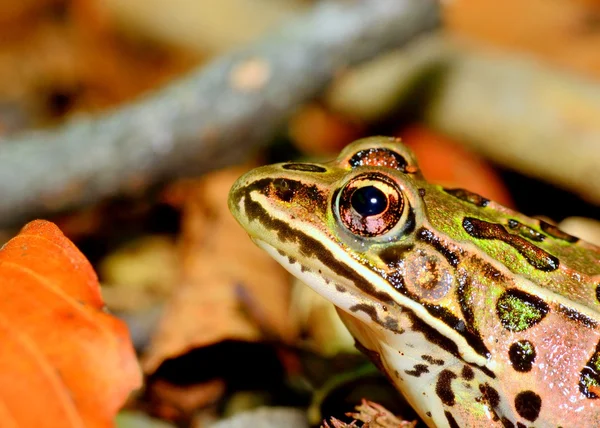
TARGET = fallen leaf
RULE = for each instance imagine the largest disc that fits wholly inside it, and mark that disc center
(175, 402)
(372, 415)
(65, 361)
(229, 288)
(140, 274)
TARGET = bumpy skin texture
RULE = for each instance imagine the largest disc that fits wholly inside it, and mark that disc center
(478, 314)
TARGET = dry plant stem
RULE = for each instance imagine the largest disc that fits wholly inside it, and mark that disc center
(215, 116)
(521, 113)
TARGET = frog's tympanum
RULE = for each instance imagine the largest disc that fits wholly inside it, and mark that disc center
(479, 315)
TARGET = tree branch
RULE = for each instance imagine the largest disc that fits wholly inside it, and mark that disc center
(211, 118)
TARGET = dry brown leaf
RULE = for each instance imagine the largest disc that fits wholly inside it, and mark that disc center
(174, 402)
(61, 56)
(230, 289)
(372, 415)
(140, 274)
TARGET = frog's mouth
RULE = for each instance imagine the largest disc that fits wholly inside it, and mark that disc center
(333, 289)
(351, 294)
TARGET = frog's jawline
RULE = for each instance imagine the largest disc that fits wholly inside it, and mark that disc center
(351, 302)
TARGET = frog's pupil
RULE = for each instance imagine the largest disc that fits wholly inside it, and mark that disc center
(368, 201)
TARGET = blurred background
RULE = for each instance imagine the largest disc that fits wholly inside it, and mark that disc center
(126, 121)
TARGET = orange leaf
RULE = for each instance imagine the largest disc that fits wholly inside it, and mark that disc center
(445, 162)
(64, 361)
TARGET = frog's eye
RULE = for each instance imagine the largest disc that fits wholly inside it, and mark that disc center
(370, 205)
(368, 201)
(378, 156)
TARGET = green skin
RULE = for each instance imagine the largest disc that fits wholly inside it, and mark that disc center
(477, 314)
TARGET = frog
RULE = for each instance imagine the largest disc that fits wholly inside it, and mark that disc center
(476, 313)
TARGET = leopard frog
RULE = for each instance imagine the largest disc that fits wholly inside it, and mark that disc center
(479, 315)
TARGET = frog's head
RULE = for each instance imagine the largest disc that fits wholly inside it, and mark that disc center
(439, 284)
(334, 225)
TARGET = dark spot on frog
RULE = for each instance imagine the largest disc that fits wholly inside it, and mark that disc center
(589, 377)
(535, 256)
(394, 254)
(443, 387)
(462, 292)
(521, 425)
(468, 196)
(288, 190)
(389, 323)
(432, 360)
(438, 339)
(427, 236)
(526, 231)
(555, 232)
(467, 373)
(340, 288)
(428, 414)
(518, 310)
(451, 421)
(528, 405)
(598, 293)
(506, 423)
(411, 222)
(473, 338)
(491, 273)
(422, 192)
(378, 156)
(304, 167)
(417, 370)
(578, 317)
(490, 395)
(366, 308)
(522, 355)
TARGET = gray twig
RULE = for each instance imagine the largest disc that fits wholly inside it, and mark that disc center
(213, 117)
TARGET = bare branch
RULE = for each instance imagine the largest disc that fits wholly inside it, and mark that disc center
(211, 118)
